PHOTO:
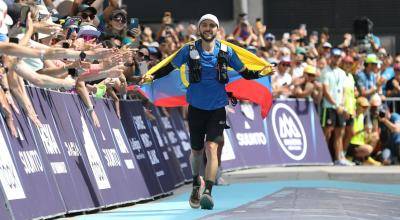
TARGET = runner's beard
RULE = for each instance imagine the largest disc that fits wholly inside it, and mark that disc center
(206, 39)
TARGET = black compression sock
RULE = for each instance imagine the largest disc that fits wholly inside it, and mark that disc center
(209, 185)
(196, 181)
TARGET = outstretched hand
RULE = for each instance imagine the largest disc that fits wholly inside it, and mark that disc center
(146, 79)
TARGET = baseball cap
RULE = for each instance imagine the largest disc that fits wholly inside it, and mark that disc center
(310, 70)
(372, 58)
(208, 17)
(269, 36)
(300, 50)
(285, 59)
(336, 52)
(327, 45)
(118, 12)
(87, 29)
(85, 7)
(362, 101)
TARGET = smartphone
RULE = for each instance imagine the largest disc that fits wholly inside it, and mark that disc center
(14, 40)
(65, 45)
(24, 14)
(134, 23)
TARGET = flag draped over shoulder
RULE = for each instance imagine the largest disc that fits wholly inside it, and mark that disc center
(170, 91)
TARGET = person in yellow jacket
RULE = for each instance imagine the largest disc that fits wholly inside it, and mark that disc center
(350, 93)
(358, 147)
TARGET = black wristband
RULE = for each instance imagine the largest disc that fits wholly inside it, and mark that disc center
(82, 55)
(72, 72)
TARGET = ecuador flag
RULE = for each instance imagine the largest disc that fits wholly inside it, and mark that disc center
(170, 90)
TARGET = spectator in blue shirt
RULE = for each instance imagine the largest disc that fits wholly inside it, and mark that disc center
(366, 79)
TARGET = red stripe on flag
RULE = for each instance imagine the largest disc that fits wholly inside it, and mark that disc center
(253, 91)
(171, 101)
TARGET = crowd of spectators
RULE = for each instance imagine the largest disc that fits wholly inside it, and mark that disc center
(349, 83)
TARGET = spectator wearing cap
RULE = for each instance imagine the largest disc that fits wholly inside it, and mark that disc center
(88, 14)
(333, 118)
(299, 63)
(282, 80)
(326, 49)
(366, 79)
(71, 27)
(359, 149)
(88, 32)
(310, 88)
(116, 26)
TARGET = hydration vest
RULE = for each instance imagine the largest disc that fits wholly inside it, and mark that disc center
(195, 66)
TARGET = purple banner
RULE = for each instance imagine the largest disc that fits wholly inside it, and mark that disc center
(143, 128)
(4, 212)
(37, 184)
(295, 134)
(82, 172)
(280, 139)
(131, 122)
(179, 138)
(135, 187)
(248, 136)
(167, 146)
(52, 150)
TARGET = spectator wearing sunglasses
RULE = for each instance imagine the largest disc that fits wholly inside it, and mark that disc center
(116, 26)
(88, 14)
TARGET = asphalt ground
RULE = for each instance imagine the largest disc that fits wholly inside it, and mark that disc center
(305, 192)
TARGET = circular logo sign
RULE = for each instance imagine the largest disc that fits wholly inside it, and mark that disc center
(289, 131)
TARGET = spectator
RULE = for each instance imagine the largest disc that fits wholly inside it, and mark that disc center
(390, 136)
(358, 149)
(366, 79)
(350, 94)
(310, 88)
(333, 119)
(281, 80)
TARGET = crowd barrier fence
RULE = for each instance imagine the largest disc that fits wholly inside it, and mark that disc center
(68, 165)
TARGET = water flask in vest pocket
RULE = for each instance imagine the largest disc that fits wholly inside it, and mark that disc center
(222, 69)
(194, 67)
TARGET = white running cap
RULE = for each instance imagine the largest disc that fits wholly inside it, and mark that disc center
(208, 17)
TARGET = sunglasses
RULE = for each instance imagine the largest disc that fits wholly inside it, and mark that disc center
(86, 16)
(119, 18)
(71, 30)
(285, 64)
(140, 54)
(88, 37)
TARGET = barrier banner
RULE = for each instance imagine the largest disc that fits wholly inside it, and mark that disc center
(143, 128)
(182, 137)
(248, 136)
(295, 134)
(84, 133)
(280, 139)
(38, 185)
(131, 123)
(4, 213)
(80, 169)
(117, 186)
(47, 136)
(135, 187)
(167, 145)
(11, 184)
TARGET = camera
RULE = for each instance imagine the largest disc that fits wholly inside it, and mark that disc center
(382, 112)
